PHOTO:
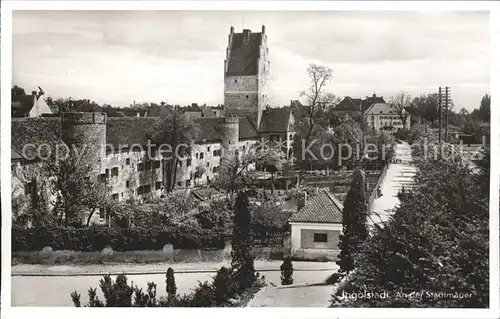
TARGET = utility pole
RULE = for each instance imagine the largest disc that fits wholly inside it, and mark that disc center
(439, 117)
(446, 103)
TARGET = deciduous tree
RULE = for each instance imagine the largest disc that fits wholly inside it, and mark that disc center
(402, 103)
(311, 119)
(176, 133)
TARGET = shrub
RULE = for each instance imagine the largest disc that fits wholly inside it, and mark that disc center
(120, 294)
(286, 272)
(171, 286)
(96, 238)
(403, 134)
(46, 252)
(354, 226)
(436, 241)
(242, 261)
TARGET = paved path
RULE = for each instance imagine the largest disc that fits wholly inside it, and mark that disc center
(308, 290)
(397, 176)
(50, 286)
(151, 269)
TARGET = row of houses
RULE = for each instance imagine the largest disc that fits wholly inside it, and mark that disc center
(378, 114)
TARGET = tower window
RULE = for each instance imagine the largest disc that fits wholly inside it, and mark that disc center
(235, 81)
(246, 96)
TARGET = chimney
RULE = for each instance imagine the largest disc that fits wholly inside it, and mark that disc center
(231, 30)
(263, 29)
(301, 200)
(483, 140)
(246, 35)
(374, 95)
(33, 93)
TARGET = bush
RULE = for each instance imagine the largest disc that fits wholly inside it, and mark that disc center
(170, 282)
(436, 241)
(403, 134)
(120, 294)
(96, 238)
(286, 272)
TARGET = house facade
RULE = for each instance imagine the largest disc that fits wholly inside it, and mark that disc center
(316, 227)
(354, 108)
(383, 116)
(33, 105)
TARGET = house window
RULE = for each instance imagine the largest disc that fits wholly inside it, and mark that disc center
(140, 167)
(188, 183)
(320, 238)
(180, 163)
(158, 185)
(208, 164)
(244, 147)
(246, 96)
(114, 196)
(157, 164)
(235, 81)
(102, 213)
(127, 161)
(127, 184)
(179, 183)
(147, 189)
(114, 171)
(215, 152)
(102, 178)
(208, 149)
(196, 155)
(107, 173)
(188, 162)
(201, 155)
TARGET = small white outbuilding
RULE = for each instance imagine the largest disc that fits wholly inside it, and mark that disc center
(316, 226)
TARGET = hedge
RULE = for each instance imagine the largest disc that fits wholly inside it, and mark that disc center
(96, 238)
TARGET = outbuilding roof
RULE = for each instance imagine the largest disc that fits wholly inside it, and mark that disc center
(322, 208)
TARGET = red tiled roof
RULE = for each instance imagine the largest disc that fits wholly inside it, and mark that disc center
(322, 208)
(275, 120)
(119, 131)
(243, 56)
(128, 130)
(35, 132)
(209, 129)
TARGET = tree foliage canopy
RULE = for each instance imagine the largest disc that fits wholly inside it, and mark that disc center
(436, 242)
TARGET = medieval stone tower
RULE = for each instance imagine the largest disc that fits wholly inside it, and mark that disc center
(229, 131)
(86, 134)
(246, 74)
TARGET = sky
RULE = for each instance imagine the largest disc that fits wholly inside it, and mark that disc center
(117, 57)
